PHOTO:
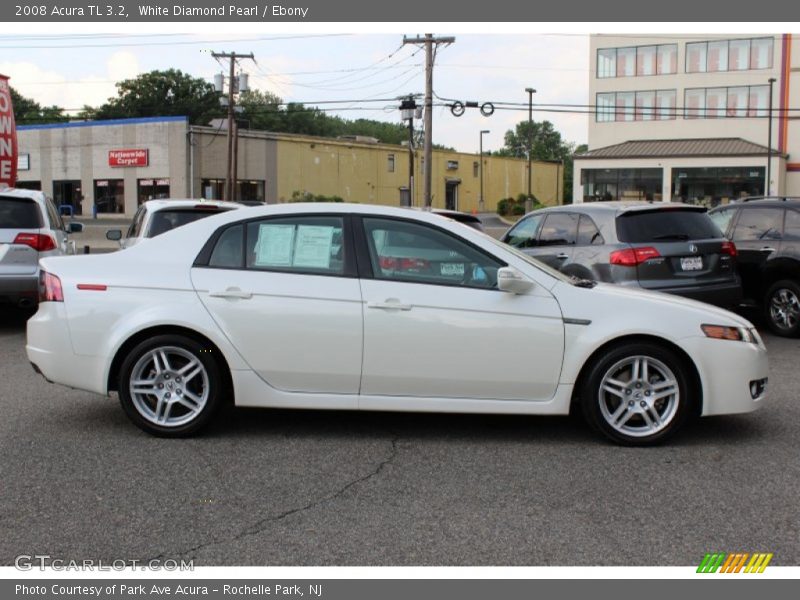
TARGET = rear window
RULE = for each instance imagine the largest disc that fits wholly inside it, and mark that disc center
(665, 226)
(163, 221)
(19, 213)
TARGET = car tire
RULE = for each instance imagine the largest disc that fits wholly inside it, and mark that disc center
(782, 308)
(170, 385)
(637, 394)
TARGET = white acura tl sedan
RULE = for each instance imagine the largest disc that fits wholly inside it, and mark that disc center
(362, 307)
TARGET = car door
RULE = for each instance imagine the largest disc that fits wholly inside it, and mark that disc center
(556, 241)
(435, 326)
(757, 234)
(285, 291)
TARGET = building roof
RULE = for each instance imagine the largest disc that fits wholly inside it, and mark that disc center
(700, 147)
(102, 123)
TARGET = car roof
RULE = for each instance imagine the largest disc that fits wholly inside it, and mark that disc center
(762, 200)
(155, 205)
(21, 193)
(616, 207)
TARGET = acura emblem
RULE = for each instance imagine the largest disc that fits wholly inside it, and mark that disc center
(693, 248)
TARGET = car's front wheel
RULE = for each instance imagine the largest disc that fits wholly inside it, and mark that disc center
(170, 385)
(637, 394)
(782, 308)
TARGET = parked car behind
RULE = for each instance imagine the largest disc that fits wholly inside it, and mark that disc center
(359, 307)
(766, 232)
(30, 229)
(666, 247)
(456, 215)
(155, 217)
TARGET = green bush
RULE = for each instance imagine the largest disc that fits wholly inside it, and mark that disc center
(518, 210)
(298, 196)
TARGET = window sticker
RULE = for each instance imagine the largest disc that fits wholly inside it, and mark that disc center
(313, 246)
(275, 245)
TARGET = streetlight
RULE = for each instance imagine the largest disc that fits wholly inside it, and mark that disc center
(529, 199)
(407, 108)
(480, 199)
(769, 139)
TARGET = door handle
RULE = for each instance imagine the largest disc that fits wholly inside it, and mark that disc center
(390, 304)
(766, 249)
(233, 293)
(562, 256)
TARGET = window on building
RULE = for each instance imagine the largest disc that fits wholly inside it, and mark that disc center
(694, 103)
(717, 56)
(607, 62)
(715, 186)
(152, 189)
(759, 101)
(626, 62)
(390, 163)
(667, 59)
(646, 60)
(475, 168)
(738, 98)
(696, 57)
(621, 184)
(716, 102)
(605, 107)
(761, 50)
(625, 106)
(739, 55)
(109, 195)
(665, 99)
(645, 106)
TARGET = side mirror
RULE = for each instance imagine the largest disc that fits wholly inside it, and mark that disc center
(114, 235)
(512, 281)
(74, 227)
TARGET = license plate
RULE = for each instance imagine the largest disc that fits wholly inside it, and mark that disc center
(452, 268)
(692, 263)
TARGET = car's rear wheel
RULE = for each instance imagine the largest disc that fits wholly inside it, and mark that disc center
(782, 308)
(170, 385)
(637, 394)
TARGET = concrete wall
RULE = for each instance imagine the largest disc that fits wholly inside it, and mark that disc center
(79, 151)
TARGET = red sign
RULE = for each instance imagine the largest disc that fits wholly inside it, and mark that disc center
(8, 136)
(129, 157)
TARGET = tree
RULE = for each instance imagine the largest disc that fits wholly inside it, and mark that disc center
(30, 112)
(546, 144)
(159, 94)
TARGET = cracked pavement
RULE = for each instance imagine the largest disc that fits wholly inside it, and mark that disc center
(279, 487)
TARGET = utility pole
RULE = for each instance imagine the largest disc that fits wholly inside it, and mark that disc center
(768, 189)
(429, 41)
(230, 174)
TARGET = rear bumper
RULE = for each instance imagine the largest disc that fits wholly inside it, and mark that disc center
(726, 295)
(49, 349)
(17, 287)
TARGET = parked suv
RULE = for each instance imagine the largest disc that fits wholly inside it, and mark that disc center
(30, 229)
(155, 217)
(767, 233)
(664, 246)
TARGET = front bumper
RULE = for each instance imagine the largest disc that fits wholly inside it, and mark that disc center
(727, 370)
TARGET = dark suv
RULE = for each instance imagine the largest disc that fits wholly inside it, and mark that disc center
(767, 233)
(664, 246)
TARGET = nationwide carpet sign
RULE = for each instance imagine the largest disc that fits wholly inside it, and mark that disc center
(8, 136)
(129, 157)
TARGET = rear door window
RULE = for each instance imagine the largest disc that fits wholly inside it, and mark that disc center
(588, 233)
(668, 225)
(759, 224)
(722, 218)
(19, 213)
(791, 229)
(163, 221)
(559, 229)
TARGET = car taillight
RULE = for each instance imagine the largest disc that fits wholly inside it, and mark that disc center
(630, 257)
(391, 263)
(50, 288)
(38, 241)
(729, 248)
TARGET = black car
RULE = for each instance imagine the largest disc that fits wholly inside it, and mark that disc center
(766, 232)
(662, 246)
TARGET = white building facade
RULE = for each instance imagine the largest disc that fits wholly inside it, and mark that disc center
(687, 118)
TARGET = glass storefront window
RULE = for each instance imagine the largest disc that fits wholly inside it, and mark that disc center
(109, 195)
(621, 184)
(715, 186)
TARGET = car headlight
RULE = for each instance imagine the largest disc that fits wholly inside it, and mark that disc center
(735, 334)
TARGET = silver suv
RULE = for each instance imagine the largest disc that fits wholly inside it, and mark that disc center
(30, 229)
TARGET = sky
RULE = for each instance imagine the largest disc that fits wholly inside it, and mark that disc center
(77, 69)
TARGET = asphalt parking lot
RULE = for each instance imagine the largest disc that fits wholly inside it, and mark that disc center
(276, 487)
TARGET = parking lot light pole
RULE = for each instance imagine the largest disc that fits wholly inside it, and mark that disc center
(768, 191)
(529, 199)
(480, 199)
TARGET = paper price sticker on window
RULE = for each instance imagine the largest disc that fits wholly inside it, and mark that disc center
(275, 245)
(313, 246)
